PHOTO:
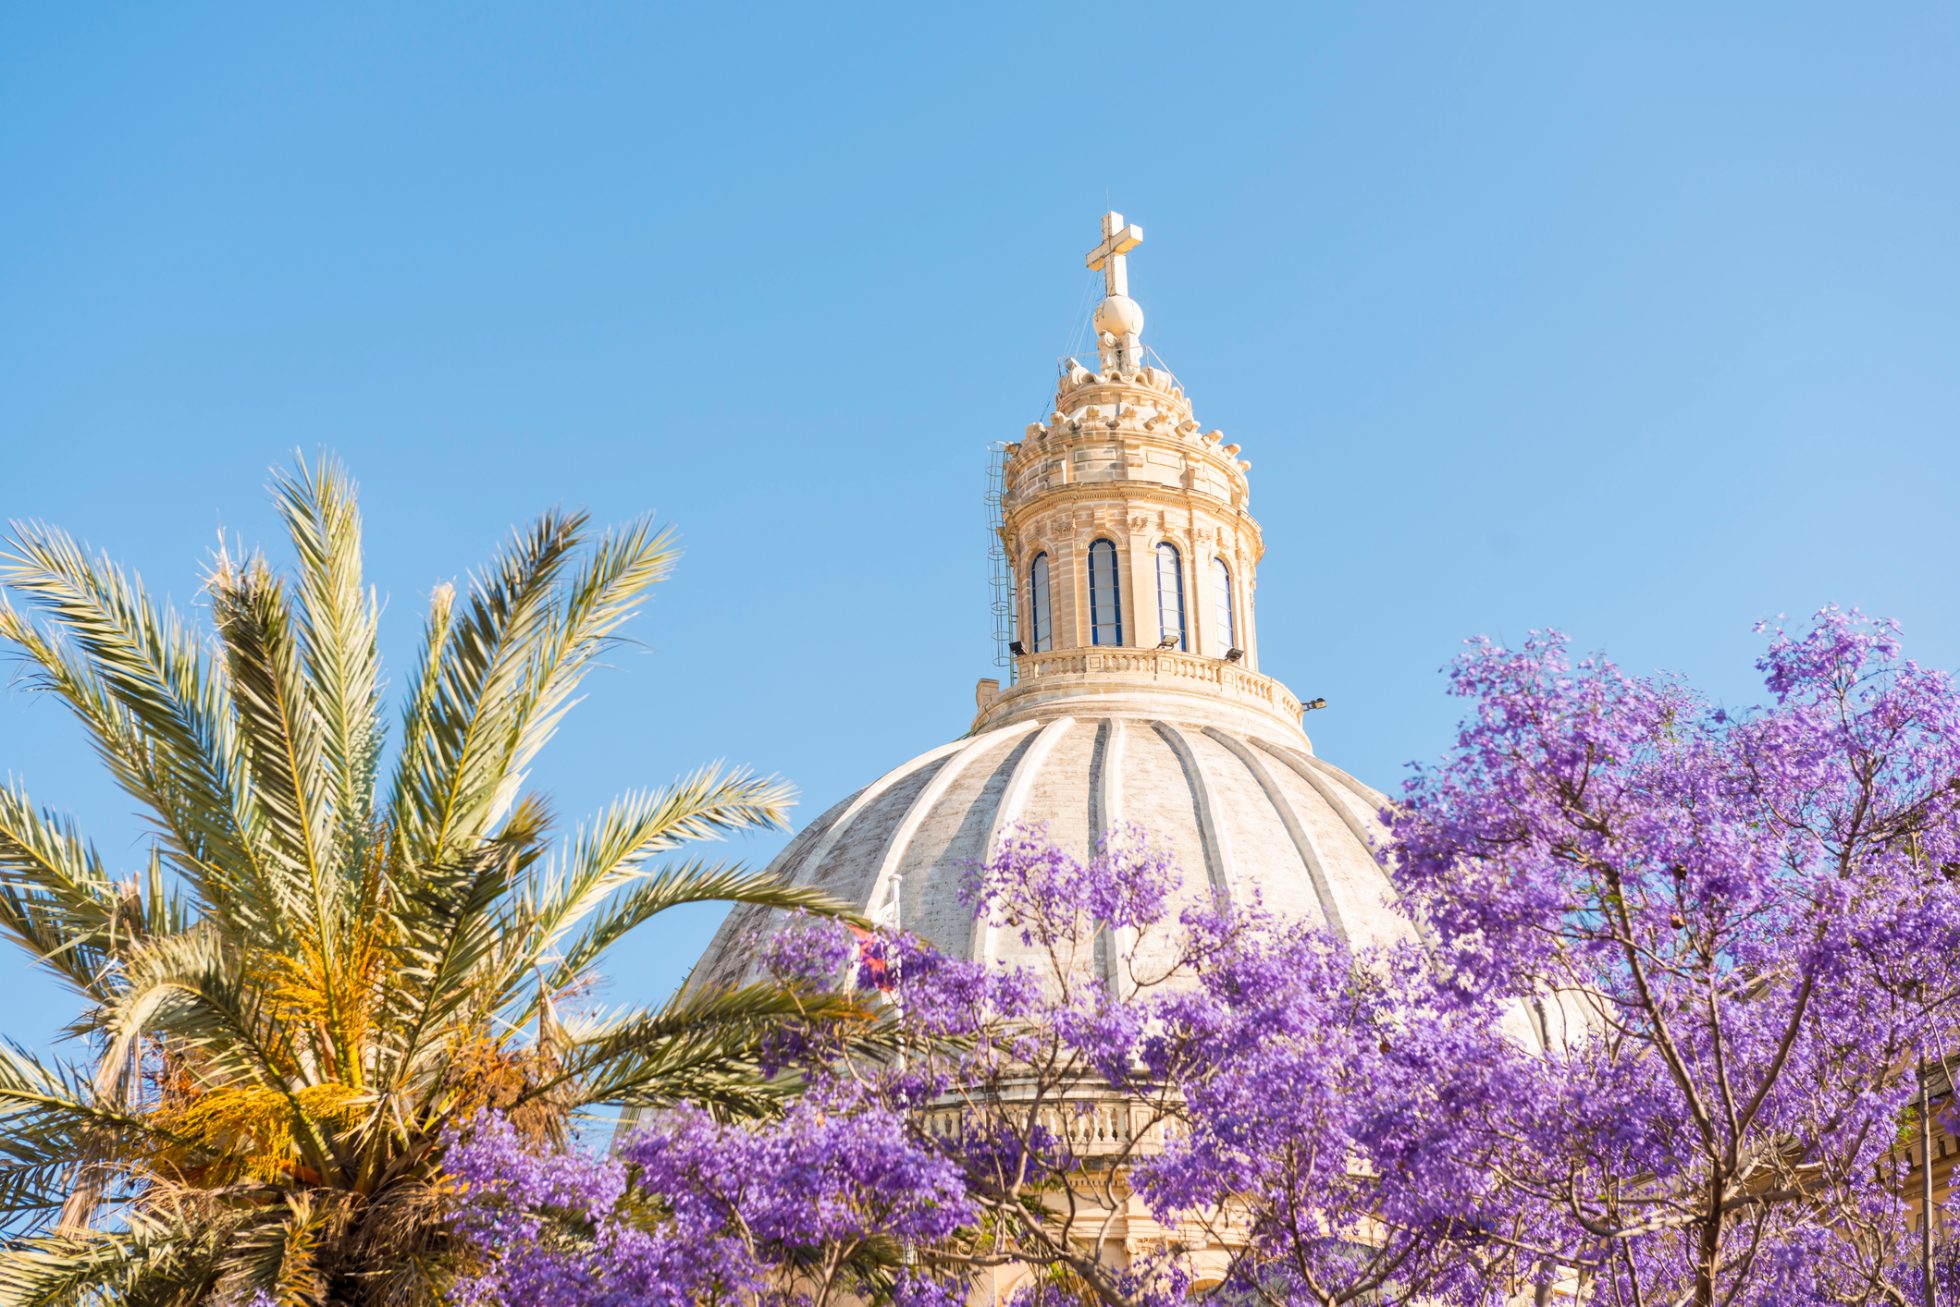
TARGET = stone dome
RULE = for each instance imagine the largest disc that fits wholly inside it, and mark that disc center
(1248, 811)
(1134, 695)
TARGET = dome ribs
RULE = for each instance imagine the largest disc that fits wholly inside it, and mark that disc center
(1343, 795)
(1105, 814)
(1211, 830)
(1106, 778)
(795, 856)
(923, 807)
(1368, 794)
(1246, 811)
(1303, 844)
(1324, 780)
(714, 966)
(806, 872)
(985, 944)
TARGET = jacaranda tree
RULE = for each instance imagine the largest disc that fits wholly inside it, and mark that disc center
(1752, 917)
(335, 948)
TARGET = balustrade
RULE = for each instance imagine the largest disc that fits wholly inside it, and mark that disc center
(1159, 664)
(1094, 1125)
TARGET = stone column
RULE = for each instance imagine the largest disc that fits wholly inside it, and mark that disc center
(1141, 630)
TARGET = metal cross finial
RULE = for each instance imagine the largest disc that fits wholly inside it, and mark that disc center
(1119, 238)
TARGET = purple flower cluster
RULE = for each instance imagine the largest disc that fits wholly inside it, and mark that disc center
(811, 952)
(694, 1210)
(1031, 885)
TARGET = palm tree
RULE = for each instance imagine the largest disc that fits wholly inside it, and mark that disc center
(333, 957)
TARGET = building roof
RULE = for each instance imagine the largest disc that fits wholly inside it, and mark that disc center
(1247, 813)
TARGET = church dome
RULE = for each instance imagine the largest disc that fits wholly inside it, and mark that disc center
(1134, 692)
(1248, 813)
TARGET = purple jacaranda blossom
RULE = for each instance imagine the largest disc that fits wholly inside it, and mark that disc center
(1317, 1114)
(1259, 1082)
(1032, 886)
(809, 951)
(1332, 1110)
(811, 1209)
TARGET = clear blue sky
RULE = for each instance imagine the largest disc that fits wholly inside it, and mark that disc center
(1640, 323)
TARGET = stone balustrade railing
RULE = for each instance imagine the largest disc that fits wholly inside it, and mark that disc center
(1160, 665)
(1094, 1124)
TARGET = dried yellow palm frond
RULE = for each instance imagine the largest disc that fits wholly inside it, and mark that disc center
(335, 1104)
(280, 1250)
(484, 1075)
(244, 1131)
(334, 996)
(298, 1281)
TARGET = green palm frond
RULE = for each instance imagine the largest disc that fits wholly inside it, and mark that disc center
(614, 582)
(55, 900)
(418, 754)
(119, 740)
(149, 1260)
(613, 851)
(338, 621)
(280, 734)
(190, 986)
(693, 881)
(155, 902)
(447, 930)
(151, 666)
(480, 693)
(703, 1046)
(49, 1118)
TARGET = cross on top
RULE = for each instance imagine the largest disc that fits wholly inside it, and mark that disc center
(1119, 238)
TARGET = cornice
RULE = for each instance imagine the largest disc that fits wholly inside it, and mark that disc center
(1115, 498)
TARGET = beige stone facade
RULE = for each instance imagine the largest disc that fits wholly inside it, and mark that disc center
(1122, 466)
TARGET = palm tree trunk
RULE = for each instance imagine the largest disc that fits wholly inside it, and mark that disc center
(88, 1180)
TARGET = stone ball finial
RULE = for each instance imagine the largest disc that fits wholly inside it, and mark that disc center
(1119, 316)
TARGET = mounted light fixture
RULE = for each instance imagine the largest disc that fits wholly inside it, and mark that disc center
(1168, 642)
(1016, 648)
(1312, 704)
(1233, 654)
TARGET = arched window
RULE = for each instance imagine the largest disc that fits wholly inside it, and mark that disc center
(1170, 596)
(1105, 595)
(1040, 626)
(1227, 630)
